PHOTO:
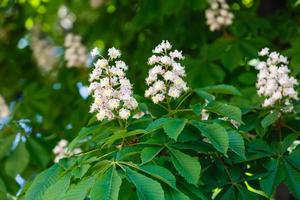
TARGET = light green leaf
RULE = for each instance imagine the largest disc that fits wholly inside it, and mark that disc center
(173, 127)
(42, 182)
(80, 171)
(149, 153)
(147, 188)
(55, 191)
(216, 134)
(17, 161)
(188, 167)
(83, 133)
(270, 119)
(80, 190)
(223, 89)
(107, 186)
(236, 143)
(225, 110)
(205, 95)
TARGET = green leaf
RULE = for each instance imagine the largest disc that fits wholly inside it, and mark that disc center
(80, 171)
(229, 194)
(232, 57)
(80, 190)
(288, 141)
(294, 157)
(5, 144)
(270, 119)
(17, 161)
(292, 179)
(56, 190)
(245, 194)
(216, 134)
(173, 127)
(188, 167)
(205, 95)
(83, 133)
(157, 124)
(273, 179)
(149, 153)
(160, 173)
(197, 108)
(225, 110)
(42, 182)
(3, 190)
(123, 134)
(223, 89)
(147, 188)
(236, 143)
(172, 194)
(107, 186)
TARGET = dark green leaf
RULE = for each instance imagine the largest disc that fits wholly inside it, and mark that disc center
(173, 127)
(216, 134)
(188, 167)
(147, 188)
(148, 153)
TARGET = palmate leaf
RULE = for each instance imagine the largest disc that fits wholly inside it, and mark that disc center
(173, 127)
(236, 143)
(80, 190)
(216, 134)
(149, 153)
(225, 110)
(107, 186)
(42, 182)
(147, 188)
(188, 167)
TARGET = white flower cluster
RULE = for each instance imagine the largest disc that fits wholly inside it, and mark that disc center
(75, 53)
(273, 80)
(112, 91)
(44, 54)
(66, 18)
(218, 15)
(4, 111)
(61, 150)
(165, 77)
